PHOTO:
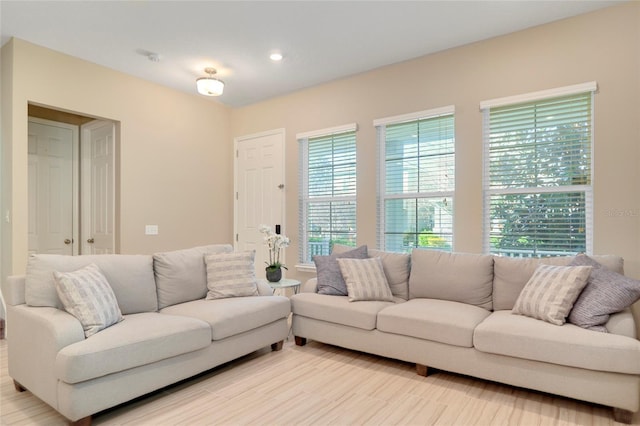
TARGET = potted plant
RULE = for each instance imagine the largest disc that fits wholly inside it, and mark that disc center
(275, 243)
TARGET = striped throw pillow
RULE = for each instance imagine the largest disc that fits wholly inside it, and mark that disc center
(365, 279)
(551, 292)
(87, 295)
(231, 275)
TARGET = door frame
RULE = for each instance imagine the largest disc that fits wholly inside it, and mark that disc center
(236, 142)
(75, 176)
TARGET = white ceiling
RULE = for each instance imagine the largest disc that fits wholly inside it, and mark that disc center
(321, 40)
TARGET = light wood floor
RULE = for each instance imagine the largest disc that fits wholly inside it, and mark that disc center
(320, 385)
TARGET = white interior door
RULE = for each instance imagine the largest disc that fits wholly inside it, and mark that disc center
(98, 187)
(259, 189)
(52, 181)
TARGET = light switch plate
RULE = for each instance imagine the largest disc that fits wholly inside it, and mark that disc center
(151, 229)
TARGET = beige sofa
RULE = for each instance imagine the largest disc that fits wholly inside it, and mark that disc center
(453, 312)
(169, 332)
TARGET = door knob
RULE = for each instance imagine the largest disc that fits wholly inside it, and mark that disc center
(90, 240)
(67, 241)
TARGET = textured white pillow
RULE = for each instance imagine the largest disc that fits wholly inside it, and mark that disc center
(551, 292)
(87, 295)
(231, 275)
(365, 279)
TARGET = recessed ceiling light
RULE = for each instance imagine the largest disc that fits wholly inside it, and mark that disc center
(276, 56)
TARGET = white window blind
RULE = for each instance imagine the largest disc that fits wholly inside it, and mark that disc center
(538, 176)
(327, 191)
(416, 180)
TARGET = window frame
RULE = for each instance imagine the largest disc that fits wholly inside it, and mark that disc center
(304, 199)
(533, 98)
(381, 126)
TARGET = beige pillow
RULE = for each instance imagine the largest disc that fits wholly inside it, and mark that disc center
(87, 295)
(365, 279)
(458, 277)
(551, 292)
(397, 267)
(181, 275)
(231, 275)
(511, 274)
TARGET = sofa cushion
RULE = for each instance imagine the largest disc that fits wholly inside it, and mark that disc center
(330, 279)
(87, 295)
(459, 277)
(365, 279)
(431, 319)
(606, 293)
(338, 309)
(231, 275)
(528, 338)
(138, 340)
(232, 316)
(397, 267)
(511, 274)
(130, 277)
(551, 291)
(181, 275)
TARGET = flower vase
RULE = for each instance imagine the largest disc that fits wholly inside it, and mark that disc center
(273, 274)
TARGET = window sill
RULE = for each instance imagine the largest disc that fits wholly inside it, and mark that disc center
(306, 267)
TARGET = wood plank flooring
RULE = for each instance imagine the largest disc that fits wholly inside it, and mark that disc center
(320, 385)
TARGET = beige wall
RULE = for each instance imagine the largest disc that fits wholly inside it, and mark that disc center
(176, 149)
(175, 152)
(603, 46)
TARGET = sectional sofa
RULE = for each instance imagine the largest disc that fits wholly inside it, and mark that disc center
(454, 312)
(166, 329)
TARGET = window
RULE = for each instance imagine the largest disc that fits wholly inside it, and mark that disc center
(327, 190)
(538, 173)
(416, 180)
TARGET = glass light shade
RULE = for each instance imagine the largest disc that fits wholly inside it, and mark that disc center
(210, 86)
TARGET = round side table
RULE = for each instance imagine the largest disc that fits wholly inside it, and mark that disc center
(284, 284)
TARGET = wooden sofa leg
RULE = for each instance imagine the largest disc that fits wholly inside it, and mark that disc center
(622, 416)
(300, 341)
(277, 346)
(85, 421)
(19, 387)
(422, 370)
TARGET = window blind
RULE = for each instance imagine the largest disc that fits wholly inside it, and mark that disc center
(416, 186)
(328, 192)
(538, 176)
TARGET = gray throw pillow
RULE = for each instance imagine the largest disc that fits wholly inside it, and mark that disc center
(330, 279)
(606, 293)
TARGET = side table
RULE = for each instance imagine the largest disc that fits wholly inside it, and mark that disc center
(284, 284)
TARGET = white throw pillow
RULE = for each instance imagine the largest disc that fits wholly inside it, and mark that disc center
(231, 275)
(551, 292)
(87, 295)
(365, 279)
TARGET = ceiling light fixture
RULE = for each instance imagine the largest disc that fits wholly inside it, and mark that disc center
(276, 56)
(210, 86)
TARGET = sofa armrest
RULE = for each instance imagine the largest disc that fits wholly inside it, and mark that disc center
(622, 323)
(36, 335)
(309, 286)
(13, 290)
(264, 289)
